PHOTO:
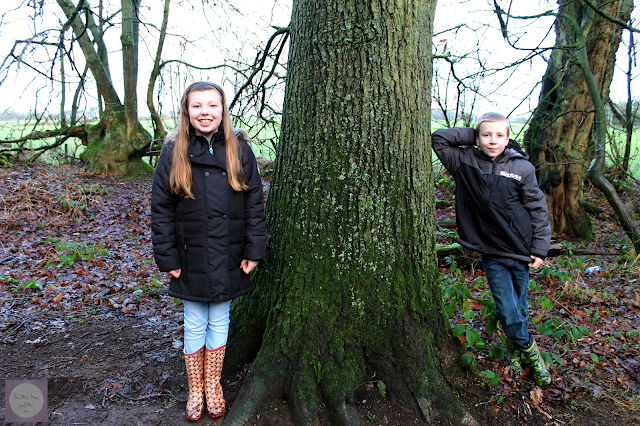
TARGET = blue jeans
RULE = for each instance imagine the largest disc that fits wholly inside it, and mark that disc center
(508, 280)
(205, 322)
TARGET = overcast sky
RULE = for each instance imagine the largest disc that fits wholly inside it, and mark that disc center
(209, 32)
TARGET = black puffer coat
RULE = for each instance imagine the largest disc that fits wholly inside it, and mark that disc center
(499, 208)
(208, 236)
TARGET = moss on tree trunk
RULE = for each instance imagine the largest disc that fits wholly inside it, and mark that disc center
(349, 288)
(109, 151)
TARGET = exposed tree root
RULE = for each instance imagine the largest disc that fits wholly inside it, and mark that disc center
(261, 382)
(418, 385)
(345, 413)
(303, 398)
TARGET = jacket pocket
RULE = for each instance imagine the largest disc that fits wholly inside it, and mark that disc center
(522, 227)
(194, 247)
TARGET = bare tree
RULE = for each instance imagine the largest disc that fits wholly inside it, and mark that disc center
(115, 144)
(159, 132)
(559, 139)
(626, 113)
(129, 39)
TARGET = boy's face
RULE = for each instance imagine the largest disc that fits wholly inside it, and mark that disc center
(492, 138)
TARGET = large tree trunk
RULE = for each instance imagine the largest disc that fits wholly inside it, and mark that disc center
(559, 139)
(108, 150)
(349, 288)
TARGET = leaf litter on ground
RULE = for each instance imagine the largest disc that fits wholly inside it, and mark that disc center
(77, 245)
(587, 323)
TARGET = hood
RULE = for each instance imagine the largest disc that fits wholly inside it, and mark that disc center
(513, 150)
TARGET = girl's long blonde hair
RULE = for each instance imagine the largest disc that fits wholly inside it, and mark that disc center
(180, 176)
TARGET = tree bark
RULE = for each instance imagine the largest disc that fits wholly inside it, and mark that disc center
(63, 83)
(595, 171)
(111, 144)
(629, 113)
(159, 132)
(559, 139)
(349, 289)
(98, 71)
(129, 40)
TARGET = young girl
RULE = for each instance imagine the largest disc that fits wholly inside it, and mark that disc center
(208, 231)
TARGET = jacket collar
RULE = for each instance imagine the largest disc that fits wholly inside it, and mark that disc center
(198, 151)
(512, 150)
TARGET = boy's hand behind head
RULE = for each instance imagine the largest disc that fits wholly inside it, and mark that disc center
(492, 138)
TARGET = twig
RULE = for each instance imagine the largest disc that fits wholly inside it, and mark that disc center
(13, 331)
(561, 304)
(132, 353)
(53, 410)
(110, 331)
(140, 398)
(85, 346)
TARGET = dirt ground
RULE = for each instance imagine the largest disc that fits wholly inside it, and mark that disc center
(105, 335)
(105, 368)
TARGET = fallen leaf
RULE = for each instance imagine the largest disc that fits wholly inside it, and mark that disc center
(536, 396)
(634, 305)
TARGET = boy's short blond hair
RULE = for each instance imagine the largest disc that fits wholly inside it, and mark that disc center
(491, 117)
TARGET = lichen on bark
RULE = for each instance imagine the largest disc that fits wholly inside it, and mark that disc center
(109, 151)
(349, 288)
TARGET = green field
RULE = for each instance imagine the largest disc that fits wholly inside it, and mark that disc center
(615, 144)
(262, 144)
(264, 136)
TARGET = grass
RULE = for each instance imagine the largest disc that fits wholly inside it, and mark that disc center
(615, 144)
(264, 136)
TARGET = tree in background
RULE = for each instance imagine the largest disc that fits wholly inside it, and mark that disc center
(117, 141)
(56, 53)
(560, 136)
(626, 113)
(114, 144)
(349, 291)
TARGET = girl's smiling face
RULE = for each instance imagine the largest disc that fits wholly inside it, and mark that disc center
(205, 111)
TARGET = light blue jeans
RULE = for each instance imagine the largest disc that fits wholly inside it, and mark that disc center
(508, 280)
(205, 322)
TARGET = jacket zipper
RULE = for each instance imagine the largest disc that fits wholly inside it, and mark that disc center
(487, 232)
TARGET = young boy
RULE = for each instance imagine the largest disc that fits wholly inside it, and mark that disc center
(501, 213)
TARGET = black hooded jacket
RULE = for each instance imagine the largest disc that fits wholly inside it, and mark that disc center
(499, 208)
(208, 236)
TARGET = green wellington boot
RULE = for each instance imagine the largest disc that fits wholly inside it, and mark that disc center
(533, 357)
(513, 356)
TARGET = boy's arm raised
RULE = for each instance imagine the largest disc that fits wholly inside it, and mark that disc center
(447, 142)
